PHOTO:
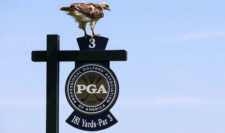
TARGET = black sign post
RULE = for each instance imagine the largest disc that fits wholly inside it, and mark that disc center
(92, 51)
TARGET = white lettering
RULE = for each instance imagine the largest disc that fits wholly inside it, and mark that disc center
(91, 89)
(101, 90)
(80, 88)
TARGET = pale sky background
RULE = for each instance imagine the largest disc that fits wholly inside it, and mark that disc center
(173, 82)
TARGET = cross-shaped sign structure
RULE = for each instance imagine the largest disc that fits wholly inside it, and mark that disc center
(91, 51)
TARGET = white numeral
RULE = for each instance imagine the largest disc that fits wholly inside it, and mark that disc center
(92, 41)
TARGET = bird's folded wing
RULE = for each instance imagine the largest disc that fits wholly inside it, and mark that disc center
(89, 9)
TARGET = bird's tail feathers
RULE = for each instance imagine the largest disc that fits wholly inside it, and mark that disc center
(66, 9)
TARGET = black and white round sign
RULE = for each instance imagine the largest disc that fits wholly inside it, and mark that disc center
(92, 89)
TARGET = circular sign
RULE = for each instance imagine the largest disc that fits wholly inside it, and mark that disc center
(92, 89)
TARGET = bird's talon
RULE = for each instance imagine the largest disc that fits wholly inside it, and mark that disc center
(86, 36)
(94, 35)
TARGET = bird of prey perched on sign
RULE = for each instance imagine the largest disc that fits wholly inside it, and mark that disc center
(85, 13)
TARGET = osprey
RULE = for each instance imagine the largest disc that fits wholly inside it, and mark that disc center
(85, 13)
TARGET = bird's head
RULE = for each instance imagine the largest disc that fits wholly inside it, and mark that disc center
(105, 6)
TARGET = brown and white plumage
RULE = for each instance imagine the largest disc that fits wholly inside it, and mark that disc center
(85, 13)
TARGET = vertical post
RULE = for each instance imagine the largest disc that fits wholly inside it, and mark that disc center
(52, 107)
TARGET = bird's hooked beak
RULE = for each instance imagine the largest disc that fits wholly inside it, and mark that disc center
(65, 9)
(107, 8)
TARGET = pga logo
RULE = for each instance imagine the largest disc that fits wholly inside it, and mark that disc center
(91, 89)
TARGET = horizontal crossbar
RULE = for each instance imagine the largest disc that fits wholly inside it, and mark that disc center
(94, 55)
